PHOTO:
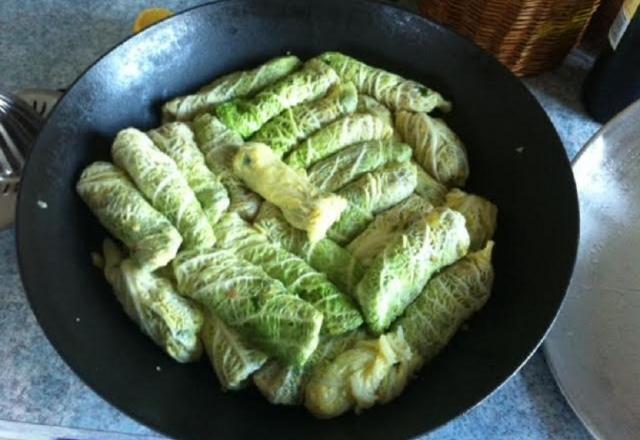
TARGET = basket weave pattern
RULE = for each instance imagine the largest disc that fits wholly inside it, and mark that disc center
(527, 36)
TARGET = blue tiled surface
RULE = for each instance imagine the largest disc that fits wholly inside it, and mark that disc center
(47, 43)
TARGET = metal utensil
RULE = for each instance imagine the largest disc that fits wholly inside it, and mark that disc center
(594, 347)
(21, 117)
(40, 100)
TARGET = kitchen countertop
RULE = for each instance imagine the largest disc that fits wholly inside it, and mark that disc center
(48, 43)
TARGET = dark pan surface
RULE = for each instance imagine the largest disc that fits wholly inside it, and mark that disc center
(494, 115)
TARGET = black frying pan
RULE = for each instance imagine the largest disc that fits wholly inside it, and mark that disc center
(493, 113)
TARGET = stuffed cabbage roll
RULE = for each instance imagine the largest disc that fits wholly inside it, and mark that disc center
(394, 382)
(160, 180)
(356, 377)
(291, 126)
(370, 194)
(324, 256)
(246, 116)
(176, 140)
(249, 301)
(284, 384)
(232, 358)
(367, 104)
(400, 272)
(436, 147)
(392, 90)
(302, 204)
(219, 146)
(449, 299)
(233, 85)
(386, 227)
(340, 313)
(480, 214)
(170, 320)
(352, 162)
(125, 213)
(429, 188)
(345, 131)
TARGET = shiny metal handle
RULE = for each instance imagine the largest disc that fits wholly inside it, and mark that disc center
(21, 118)
(19, 125)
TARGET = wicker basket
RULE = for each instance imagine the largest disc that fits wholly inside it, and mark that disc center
(527, 36)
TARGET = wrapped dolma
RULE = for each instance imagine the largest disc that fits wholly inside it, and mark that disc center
(448, 299)
(377, 370)
(429, 188)
(159, 179)
(350, 129)
(249, 301)
(247, 116)
(340, 313)
(232, 358)
(293, 125)
(435, 146)
(324, 256)
(233, 85)
(125, 213)
(398, 376)
(343, 209)
(386, 227)
(219, 146)
(284, 384)
(400, 272)
(175, 139)
(151, 301)
(359, 377)
(480, 214)
(370, 194)
(352, 162)
(302, 204)
(392, 90)
(366, 104)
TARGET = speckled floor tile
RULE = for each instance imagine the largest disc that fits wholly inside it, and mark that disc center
(559, 93)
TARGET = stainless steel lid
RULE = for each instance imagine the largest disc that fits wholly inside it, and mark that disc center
(593, 348)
